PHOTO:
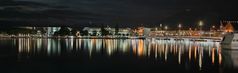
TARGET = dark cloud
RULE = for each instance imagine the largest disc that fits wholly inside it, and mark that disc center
(134, 12)
(36, 13)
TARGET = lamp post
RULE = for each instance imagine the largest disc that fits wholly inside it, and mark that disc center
(200, 25)
(190, 32)
(179, 26)
(166, 28)
(161, 27)
(214, 30)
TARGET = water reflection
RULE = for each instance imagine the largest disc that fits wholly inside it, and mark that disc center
(164, 51)
(29, 46)
(230, 58)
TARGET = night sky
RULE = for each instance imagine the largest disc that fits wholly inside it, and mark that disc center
(129, 13)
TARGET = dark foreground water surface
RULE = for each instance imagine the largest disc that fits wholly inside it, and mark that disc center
(28, 55)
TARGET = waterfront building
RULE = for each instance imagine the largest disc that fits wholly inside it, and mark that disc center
(121, 31)
(147, 31)
(93, 31)
(112, 31)
(51, 30)
(140, 31)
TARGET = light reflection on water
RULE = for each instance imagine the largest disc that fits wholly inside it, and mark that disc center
(153, 54)
(159, 49)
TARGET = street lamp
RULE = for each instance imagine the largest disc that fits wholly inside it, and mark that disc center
(179, 26)
(200, 25)
(213, 29)
(160, 27)
(166, 28)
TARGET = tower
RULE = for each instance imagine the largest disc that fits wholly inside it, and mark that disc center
(221, 26)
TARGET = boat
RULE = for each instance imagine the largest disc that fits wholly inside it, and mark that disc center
(230, 41)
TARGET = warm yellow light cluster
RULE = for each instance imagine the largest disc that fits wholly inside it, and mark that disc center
(229, 28)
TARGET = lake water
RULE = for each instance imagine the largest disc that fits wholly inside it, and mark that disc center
(28, 55)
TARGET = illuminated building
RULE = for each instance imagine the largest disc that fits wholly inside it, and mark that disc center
(51, 30)
(121, 31)
(112, 31)
(229, 27)
(146, 31)
(140, 31)
(124, 31)
(93, 31)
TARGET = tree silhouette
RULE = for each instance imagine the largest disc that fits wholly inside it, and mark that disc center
(104, 32)
(116, 29)
(63, 31)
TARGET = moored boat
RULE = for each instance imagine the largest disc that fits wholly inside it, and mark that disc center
(230, 41)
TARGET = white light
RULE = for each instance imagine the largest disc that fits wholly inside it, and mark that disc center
(180, 25)
(213, 26)
(166, 27)
(200, 23)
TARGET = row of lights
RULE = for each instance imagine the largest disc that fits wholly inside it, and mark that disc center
(180, 26)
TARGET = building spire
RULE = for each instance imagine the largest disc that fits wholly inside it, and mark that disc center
(221, 25)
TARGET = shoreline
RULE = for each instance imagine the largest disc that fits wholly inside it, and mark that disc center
(191, 38)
